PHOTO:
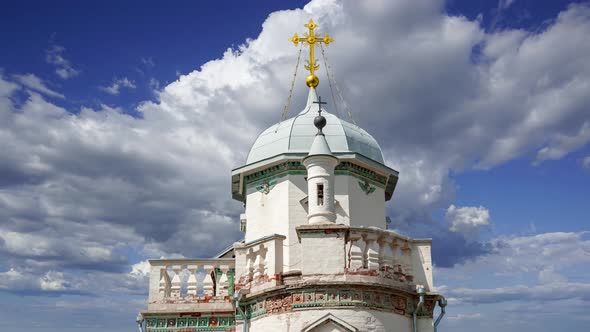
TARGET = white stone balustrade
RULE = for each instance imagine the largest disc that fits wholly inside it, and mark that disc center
(259, 264)
(183, 283)
(376, 252)
(370, 255)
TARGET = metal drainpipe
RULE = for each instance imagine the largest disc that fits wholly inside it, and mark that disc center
(442, 303)
(139, 321)
(421, 291)
(237, 297)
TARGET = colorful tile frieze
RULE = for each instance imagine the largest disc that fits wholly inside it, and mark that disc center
(398, 304)
(334, 298)
(184, 324)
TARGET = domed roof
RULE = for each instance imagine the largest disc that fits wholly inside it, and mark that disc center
(295, 135)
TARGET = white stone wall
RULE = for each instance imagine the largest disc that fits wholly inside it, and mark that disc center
(422, 264)
(267, 214)
(364, 320)
(355, 207)
(323, 254)
(279, 212)
(297, 217)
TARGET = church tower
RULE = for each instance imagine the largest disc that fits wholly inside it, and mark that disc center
(316, 254)
(315, 189)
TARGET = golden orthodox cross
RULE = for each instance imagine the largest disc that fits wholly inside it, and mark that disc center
(311, 39)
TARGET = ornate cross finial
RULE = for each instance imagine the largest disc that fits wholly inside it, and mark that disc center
(320, 103)
(311, 39)
(319, 121)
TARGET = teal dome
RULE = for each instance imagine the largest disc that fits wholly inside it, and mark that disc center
(295, 135)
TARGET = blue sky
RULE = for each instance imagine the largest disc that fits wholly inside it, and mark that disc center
(109, 155)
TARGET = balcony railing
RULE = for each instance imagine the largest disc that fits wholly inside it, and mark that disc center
(389, 257)
(191, 284)
(342, 254)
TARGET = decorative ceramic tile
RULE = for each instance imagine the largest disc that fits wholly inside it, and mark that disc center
(332, 296)
(297, 298)
(171, 322)
(345, 296)
(357, 296)
(367, 297)
(320, 296)
(203, 321)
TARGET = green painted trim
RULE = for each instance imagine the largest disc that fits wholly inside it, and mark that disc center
(296, 168)
(361, 171)
(230, 277)
(167, 324)
(274, 170)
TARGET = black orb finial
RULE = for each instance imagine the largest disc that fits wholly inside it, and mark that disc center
(319, 121)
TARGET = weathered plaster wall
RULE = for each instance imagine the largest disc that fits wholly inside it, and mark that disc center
(422, 264)
(297, 217)
(357, 208)
(323, 253)
(267, 214)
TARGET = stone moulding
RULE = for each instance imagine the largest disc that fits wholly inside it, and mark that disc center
(297, 168)
(289, 300)
(351, 164)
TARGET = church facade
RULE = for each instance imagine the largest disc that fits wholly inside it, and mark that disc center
(316, 254)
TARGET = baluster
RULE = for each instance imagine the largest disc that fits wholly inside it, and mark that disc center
(223, 284)
(385, 255)
(176, 282)
(259, 263)
(394, 253)
(355, 258)
(164, 287)
(371, 255)
(208, 289)
(250, 257)
(192, 283)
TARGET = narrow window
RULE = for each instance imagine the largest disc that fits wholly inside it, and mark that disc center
(320, 194)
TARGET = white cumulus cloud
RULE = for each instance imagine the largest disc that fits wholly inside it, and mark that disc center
(468, 220)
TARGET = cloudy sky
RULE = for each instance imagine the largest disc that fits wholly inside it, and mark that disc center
(120, 123)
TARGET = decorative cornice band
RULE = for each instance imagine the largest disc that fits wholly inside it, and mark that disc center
(297, 168)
